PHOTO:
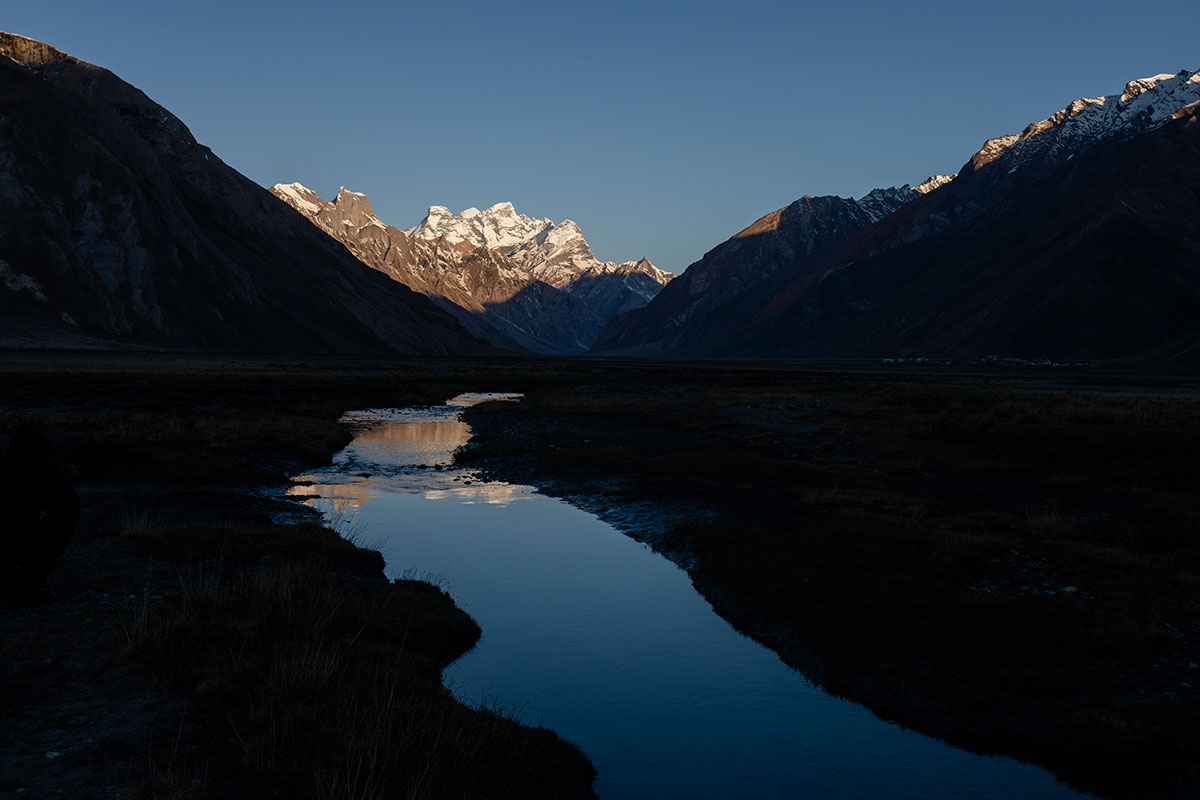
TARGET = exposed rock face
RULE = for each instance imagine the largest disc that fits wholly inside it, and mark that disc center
(1075, 239)
(491, 295)
(556, 254)
(119, 227)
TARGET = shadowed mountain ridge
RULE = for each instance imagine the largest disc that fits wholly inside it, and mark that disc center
(1071, 240)
(119, 226)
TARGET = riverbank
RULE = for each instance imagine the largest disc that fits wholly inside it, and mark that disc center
(1007, 560)
(192, 648)
(895, 532)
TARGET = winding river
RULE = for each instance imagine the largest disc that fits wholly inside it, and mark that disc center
(592, 634)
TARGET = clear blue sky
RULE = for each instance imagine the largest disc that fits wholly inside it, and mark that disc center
(660, 127)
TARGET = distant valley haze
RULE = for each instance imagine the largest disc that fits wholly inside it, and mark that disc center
(660, 128)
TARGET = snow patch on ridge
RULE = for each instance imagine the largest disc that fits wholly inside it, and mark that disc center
(1145, 103)
(299, 197)
(933, 182)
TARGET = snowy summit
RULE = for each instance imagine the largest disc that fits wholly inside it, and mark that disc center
(556, 253)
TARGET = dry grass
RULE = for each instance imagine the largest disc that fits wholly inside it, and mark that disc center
(864, 512)
(332, 686)
(303, 673)
(134, 521)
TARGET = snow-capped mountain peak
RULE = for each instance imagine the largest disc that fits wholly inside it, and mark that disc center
(1140, 85)
(299, 196)
(498, 227)
(558, 254)
(646, 267)
(348, 209)
(509, 277)
(564, 234)
(352, 209)
(1145, 103)
(933, 182)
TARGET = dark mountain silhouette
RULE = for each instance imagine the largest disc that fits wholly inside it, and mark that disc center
(1097, 259)
(1076, 239)
(705, 310)
(118, 228)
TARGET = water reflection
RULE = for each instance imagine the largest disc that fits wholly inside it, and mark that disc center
(495, 494)
(404, 450)
(591, 634)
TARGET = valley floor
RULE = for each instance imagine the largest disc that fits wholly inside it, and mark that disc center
(1004, 557)
(194, 649)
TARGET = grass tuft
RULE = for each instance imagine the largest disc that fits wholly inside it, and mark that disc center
(332, 686)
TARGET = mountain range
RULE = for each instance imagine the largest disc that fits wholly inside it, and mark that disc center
(1074, 239)
(119, 229)
(518, 282)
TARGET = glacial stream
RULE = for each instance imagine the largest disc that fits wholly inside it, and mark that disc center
(592, 634)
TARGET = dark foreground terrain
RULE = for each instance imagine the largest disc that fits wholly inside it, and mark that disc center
(192, 648)
(1004, 557)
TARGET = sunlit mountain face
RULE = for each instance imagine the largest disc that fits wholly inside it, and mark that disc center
(519, 282)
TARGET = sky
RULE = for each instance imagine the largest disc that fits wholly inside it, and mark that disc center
(662, 128)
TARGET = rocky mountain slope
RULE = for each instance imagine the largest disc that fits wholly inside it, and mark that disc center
(118, 228)
(1073, 240)
(701, 309)
(1097, 259)
(557, 254)
(491, 295)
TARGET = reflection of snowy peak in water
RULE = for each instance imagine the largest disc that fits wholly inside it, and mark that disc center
(348, 494)
(495, 494)
(409, 450)
(378, 445)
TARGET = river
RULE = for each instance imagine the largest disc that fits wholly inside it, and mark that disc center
(592, 634)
